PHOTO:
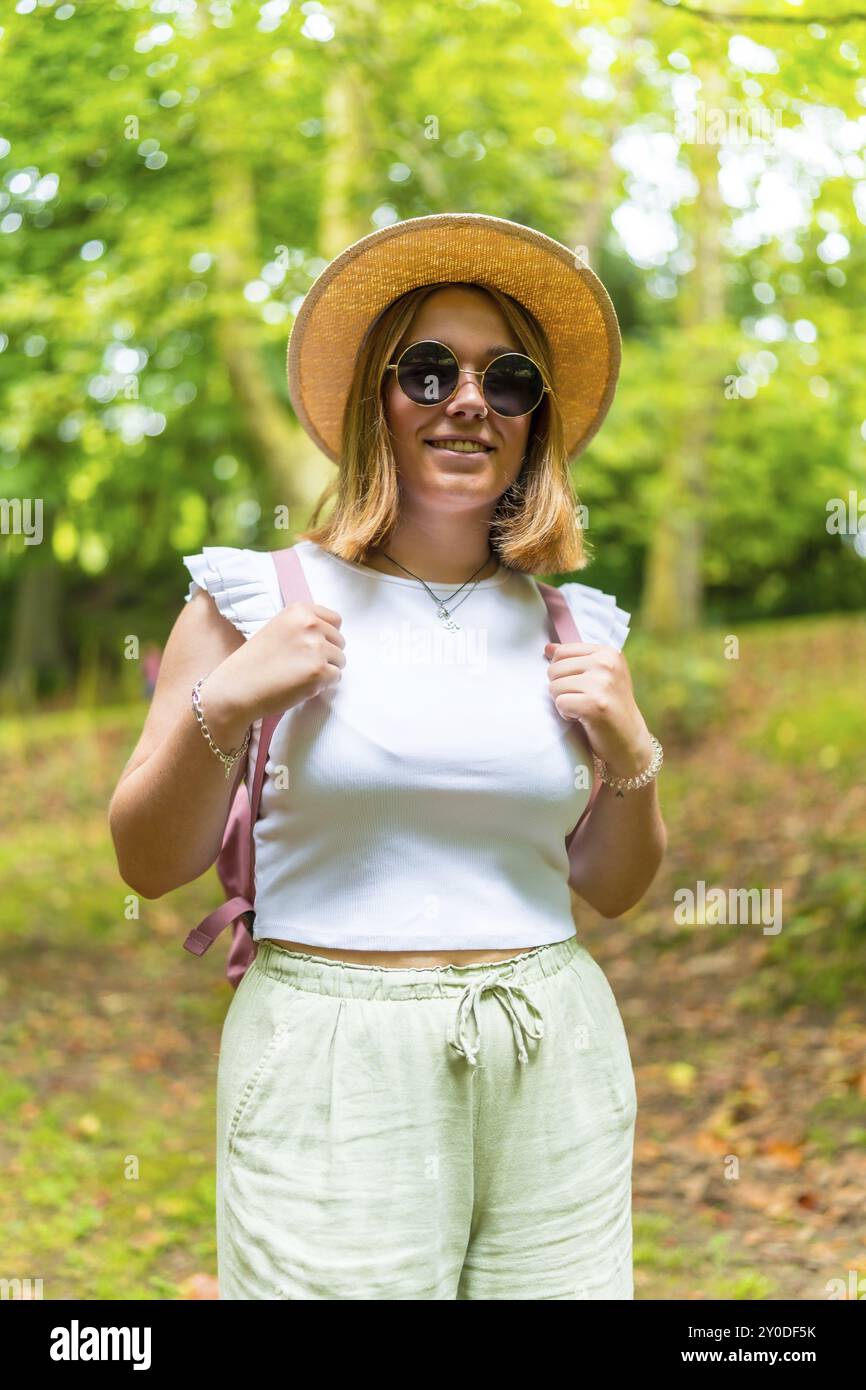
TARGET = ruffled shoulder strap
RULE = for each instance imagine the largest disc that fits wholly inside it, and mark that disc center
(242, 583)
(597, 615)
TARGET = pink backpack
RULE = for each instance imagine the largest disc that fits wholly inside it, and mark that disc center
(236, 860)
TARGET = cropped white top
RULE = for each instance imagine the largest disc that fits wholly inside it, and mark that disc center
(422, 802)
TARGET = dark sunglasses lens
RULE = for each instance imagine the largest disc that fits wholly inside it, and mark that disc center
(513, 385)
(427, 373)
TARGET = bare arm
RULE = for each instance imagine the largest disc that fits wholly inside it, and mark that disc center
(169, 809)
(616, 853)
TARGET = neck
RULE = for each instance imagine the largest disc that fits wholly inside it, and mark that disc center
(445, 556)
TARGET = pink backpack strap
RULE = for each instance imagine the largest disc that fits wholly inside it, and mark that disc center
(293, 589)
(566, 630)
(205, 934)
(561, 615)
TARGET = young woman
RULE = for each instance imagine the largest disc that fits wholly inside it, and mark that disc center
(425, 1089)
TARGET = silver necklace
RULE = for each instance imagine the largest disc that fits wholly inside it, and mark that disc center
(443, 612)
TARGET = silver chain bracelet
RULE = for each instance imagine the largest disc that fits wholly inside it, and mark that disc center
(631, 784)
(229, 759)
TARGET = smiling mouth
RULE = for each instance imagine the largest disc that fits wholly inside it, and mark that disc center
(471, 448)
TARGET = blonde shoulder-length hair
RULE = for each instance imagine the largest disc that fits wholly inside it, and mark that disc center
(535, 527)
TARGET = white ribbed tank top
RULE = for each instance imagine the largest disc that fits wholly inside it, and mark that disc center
(423, 802)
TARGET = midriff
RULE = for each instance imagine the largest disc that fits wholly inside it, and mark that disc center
(399, 959)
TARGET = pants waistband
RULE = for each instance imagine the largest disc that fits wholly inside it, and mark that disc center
(506, 980)
(354, 981)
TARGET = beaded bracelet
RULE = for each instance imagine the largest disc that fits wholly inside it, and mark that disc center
(229, 759)
(630, 784)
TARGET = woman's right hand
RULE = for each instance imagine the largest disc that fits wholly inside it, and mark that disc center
(295, 655)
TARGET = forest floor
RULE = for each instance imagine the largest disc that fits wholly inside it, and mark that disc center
(748, 1042)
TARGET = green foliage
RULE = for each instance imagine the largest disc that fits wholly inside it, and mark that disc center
(820, 951)
(219, 152)
(679, 684)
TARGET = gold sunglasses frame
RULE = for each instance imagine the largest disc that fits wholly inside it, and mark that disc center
(393, 366)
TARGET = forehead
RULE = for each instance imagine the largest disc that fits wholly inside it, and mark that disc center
(464, 318)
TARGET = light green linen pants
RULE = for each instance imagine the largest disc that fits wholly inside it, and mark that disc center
(450, 1132)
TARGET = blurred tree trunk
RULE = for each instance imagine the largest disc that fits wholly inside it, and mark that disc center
(295, 470)
(35, 662)
(348, 152)
(599, 193)
(266, 415)
(673, 588)
(350, 140)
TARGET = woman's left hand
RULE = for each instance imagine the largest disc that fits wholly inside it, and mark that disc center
(592, 683)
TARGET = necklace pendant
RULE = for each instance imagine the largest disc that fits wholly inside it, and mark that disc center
(447, 620)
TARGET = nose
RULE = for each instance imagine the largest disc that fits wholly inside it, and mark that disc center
(468, 397)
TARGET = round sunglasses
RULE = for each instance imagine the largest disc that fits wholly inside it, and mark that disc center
(429, 374)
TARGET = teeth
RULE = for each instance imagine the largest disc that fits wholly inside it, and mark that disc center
(459, 446)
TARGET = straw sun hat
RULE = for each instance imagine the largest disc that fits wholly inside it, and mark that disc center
(549, 279)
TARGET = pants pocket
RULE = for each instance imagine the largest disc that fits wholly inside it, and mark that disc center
(253, 1084)
(256, 1022)
(608, 1038)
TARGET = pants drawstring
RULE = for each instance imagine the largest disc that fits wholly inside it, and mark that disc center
(509, 996)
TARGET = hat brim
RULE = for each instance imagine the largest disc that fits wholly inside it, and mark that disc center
(566, 297)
